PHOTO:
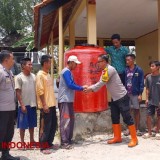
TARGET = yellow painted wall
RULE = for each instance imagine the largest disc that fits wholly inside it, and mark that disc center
(147, 50)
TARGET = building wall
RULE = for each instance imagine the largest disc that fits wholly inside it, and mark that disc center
(147, 50)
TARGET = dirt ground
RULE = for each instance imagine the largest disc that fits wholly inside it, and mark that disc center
(95, 148)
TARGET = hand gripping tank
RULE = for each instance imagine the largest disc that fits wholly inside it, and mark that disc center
(88, 73)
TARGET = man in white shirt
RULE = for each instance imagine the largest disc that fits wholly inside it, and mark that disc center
(26, 94)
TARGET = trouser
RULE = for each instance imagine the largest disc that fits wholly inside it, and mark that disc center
(66, 122)
(6, 128)
(48, 125)
(121, 106)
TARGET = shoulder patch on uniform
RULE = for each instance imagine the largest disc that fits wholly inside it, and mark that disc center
(105, 75)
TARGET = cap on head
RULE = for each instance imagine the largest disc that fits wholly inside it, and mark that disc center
(74, 59)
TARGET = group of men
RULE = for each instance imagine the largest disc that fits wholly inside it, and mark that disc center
(125, 84)
(30, 90)
(132, 77)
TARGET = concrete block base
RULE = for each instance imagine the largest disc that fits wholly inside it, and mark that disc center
(88, 123)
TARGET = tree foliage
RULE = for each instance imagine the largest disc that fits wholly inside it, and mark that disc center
(16, 15)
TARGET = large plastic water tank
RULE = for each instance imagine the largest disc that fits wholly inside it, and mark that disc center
(88, 73)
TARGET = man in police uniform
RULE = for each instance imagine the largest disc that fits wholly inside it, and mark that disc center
(7, 103)
(120, 102)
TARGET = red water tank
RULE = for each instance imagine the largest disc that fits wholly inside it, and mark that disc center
(88, 73)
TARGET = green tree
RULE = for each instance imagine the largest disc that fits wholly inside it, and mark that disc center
(16, 15)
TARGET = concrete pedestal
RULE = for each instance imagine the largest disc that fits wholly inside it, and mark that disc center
(88, 123)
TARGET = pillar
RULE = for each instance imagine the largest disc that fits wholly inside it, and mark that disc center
(72, 34)
(91, 22)
(61, 43)
(52, 60)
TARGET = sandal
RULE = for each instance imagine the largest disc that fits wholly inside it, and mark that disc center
(157, 137)
(139, 133)
(34, 145)
(146, 136)
(46, 151)
(54, 147)
(67, 146)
